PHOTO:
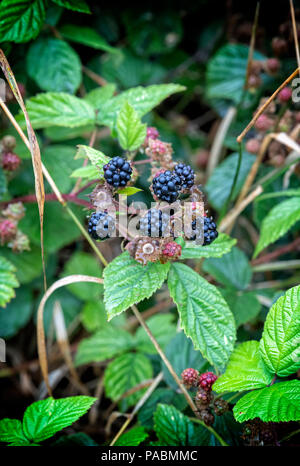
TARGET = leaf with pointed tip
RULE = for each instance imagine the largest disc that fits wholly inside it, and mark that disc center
(21, 20)
(222, 245)
(131, 131)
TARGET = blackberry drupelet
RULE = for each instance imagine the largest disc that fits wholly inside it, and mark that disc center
(166, 186)
(117, 172)
(154, 224)
(209, 230)
(186, 175)
(101, 225)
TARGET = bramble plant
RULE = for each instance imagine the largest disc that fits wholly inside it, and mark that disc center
(154, 250)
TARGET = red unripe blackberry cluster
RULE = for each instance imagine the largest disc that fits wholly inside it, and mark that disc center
(190, 377)
(207, 380)
(173, 251)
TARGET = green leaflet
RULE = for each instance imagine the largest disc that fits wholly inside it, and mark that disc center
(204, 315)
(127, 282)
(76, 5)
(54, 65)
(278, 403)
(86, 36)
(232, 270)
(132, 438)
(174, 429)
(162, 327)
(131, 131)
(124, 373)
(245, 370)
(277, 222)
(244, 305)
(11, 431)
(8, 281)
(280, 343)
(21, 20)
(222, 245)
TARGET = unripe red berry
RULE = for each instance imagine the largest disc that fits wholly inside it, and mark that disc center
(263, 123)
(272, 65)
(158, 147)
(8, 231)
(172, 250)
(152, 132)
(10, 161)
(190, 377)
(285, 94)
(206, 380)
(252, 146)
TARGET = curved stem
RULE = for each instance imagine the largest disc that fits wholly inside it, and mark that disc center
(218, 437)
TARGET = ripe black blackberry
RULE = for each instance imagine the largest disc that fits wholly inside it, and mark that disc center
(154, 224)
(186, 175)
(101, 225)
(166, 186)
(209, 230)
(117, 172)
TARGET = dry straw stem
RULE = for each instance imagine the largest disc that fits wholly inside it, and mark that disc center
(32, 146)
(252, 45)
(40, 318)
(265, 105)
(295, 32)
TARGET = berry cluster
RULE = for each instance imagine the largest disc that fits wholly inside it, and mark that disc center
(117, 172)
(154, 224)
(172, 251)
(204, 226)
(101, 225)
(168, 184)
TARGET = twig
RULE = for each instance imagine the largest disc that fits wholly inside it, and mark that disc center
(295, 32)
(91, 143)
(138, 406)
(133, 322)
(280, 265)
(31, 198)
(218, 437)
(265, 105)
(252, 44)
(94, 76)
(277, 253)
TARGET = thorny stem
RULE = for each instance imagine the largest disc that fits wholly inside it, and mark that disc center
(218, 437)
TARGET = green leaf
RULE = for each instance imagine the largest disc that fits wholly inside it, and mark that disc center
(278, 403)
(104, 344)
(85, 264)
(127, 282)
(58, 109)
(219, 184)
(89, 172)
(180, 360)
(232, 270)
(97, 158)
(11, 319)
(278, 221)
(3, 183)
(132, 438)
(124, 373)
(93, 315)
(204, 315)
(160, 395)
(28, 265)
(129, 191)
(142, 99)
(86, 36)
(174, 429)
(75, 5)
(59, 161)
(163, 329)
(226, 72)
(98, 96)
(11, 431)
(43, 419)
(21, 20)
(131, 131)
(245, 370)
(280, 343)
(8, 282)
(222, 245)
(244, 305)
(54, 65)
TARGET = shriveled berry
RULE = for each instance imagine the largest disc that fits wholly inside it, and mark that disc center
(207, 417)
(172, 250)
(272, 65)
(202, 399)
(154, 224)
(285, 94)
(166, 186)
(279, 46)
(190, 377)
(8, 230)
(263, 123)
(10, 161)
(252, 146)
(220, 407)
(117, 172)
(9, 143)
(101, 225)
(206, 380)
(186, 175)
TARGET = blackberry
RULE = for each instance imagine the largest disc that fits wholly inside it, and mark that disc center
(209, 230)
(186, 175)
(101, 225)
(117, 172)
(206, 380)
(190, 377)
(166, 186)
(154, 224)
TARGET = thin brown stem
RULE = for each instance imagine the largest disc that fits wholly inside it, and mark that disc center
(91, 143)
(295, 32)
(252, 45)
(295, 245)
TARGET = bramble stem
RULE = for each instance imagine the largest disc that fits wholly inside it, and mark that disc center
(218, 437)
